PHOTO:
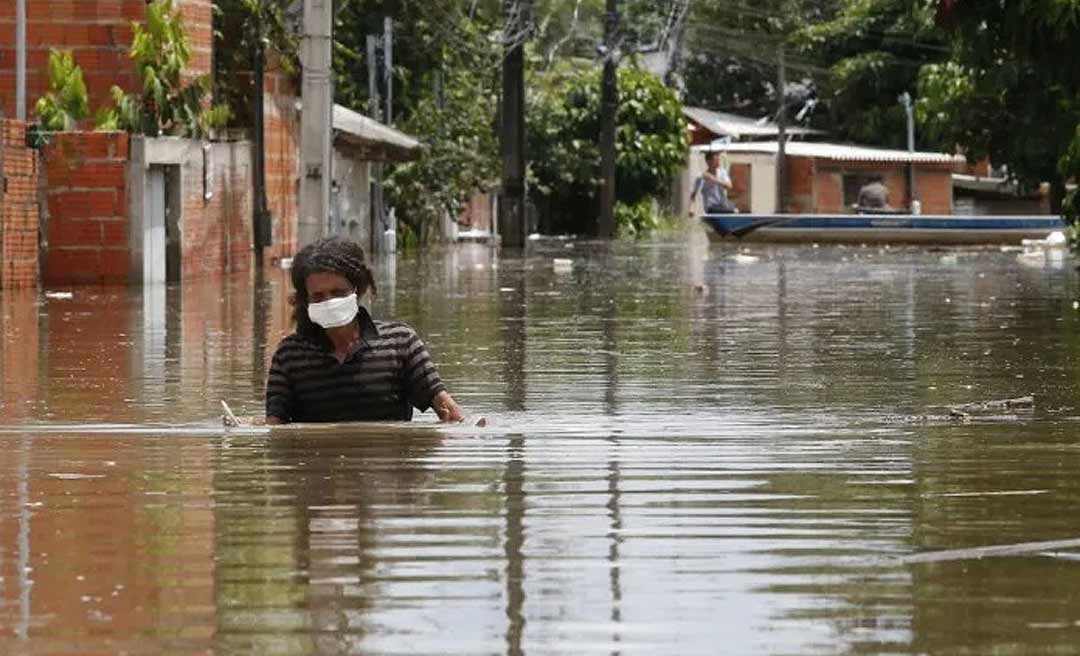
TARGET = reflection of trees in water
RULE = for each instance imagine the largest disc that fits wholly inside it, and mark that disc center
(297, 528)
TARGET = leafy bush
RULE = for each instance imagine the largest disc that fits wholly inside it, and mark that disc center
(167, 104)
(66, 102)
(563, 124)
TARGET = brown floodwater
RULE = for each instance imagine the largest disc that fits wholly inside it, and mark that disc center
(690, 451)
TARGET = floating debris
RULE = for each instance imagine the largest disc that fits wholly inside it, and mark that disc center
(60, 296)
(562, 265)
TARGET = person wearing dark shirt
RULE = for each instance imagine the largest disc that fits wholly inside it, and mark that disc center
(340, 364)
(874, 195)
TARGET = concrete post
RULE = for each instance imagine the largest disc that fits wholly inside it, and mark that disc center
(316, 122)
(781, 133)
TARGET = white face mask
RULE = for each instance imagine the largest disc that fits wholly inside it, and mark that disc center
(335, 312)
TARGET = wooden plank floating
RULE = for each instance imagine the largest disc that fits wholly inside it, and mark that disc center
(994, 551)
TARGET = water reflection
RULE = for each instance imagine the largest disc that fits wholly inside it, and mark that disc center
(691, 447)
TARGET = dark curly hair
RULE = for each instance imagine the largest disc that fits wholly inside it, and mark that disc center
(330, 255)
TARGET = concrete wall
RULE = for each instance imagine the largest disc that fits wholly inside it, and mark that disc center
(351, 197)
(19, 209)
(86, 208)
(282, 135)
(98, 32)
(211, 184)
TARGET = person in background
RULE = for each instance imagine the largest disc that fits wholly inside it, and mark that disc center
(714, 185)
(341, 365)
(874, 195)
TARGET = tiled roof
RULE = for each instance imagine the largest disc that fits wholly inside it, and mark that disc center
(833, 151)
(738, 127)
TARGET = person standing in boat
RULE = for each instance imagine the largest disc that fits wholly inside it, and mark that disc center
(714, 185)
(340, 364)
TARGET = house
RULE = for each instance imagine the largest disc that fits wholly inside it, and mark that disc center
(707, 127)
(129, 209)
(361, 144)
(825, 178)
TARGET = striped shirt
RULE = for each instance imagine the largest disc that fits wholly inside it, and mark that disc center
(390, 373)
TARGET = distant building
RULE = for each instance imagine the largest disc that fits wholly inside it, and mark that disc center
(825, 178)
(706, 127)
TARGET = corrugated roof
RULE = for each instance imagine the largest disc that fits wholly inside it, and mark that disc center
(832, 151)
(739, 127)
(371, 132)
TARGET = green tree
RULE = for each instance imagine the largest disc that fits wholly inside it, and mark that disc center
(248, 33)
(563, 120)
(1005, 91)
(65, 103)
(873, 51)
(168, 104)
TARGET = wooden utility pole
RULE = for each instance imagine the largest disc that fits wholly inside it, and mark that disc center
(261, 232)
(512, 134)
(781, 134)
(609, 107)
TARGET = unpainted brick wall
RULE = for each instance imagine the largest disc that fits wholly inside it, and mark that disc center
(19, 210)
(98, 32)
(282, 135)
(87, 208)
(216, 233)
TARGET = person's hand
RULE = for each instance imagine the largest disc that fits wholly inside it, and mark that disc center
(446, 408)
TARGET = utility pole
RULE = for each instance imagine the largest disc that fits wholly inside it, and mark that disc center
(905, 100)
(316, 122)
(388, 67)
(20, 59)
(609, 107)
(781, 133)
(378, 222)
(262, 234)
(512, 134)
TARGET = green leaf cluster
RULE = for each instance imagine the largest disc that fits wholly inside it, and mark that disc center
(562, 124)
(169, 104)
(1007, 90)
(66, 102)
(243, 31)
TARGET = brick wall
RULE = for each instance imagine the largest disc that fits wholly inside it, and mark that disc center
(87, 225)
(934, 188)
(19, 211)
(799, 177)
(98, 32)
(282, 135)
(741, 183)
(216, 235)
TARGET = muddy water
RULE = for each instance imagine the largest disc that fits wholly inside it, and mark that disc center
(691, 452)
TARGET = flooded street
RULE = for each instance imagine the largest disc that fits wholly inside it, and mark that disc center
(690, 451)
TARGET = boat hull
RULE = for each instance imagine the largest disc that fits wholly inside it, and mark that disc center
(869, 228)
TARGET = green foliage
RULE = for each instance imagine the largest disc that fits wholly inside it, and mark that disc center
(168, 104)
(563, 121)
(460, 154)
(65, 103)
(244, 30)
(1006, 92)
(640, 219)
(873, 51)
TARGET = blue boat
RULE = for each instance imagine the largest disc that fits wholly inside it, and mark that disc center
(881, 228)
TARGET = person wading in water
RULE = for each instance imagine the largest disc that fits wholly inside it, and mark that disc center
(341, 365)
